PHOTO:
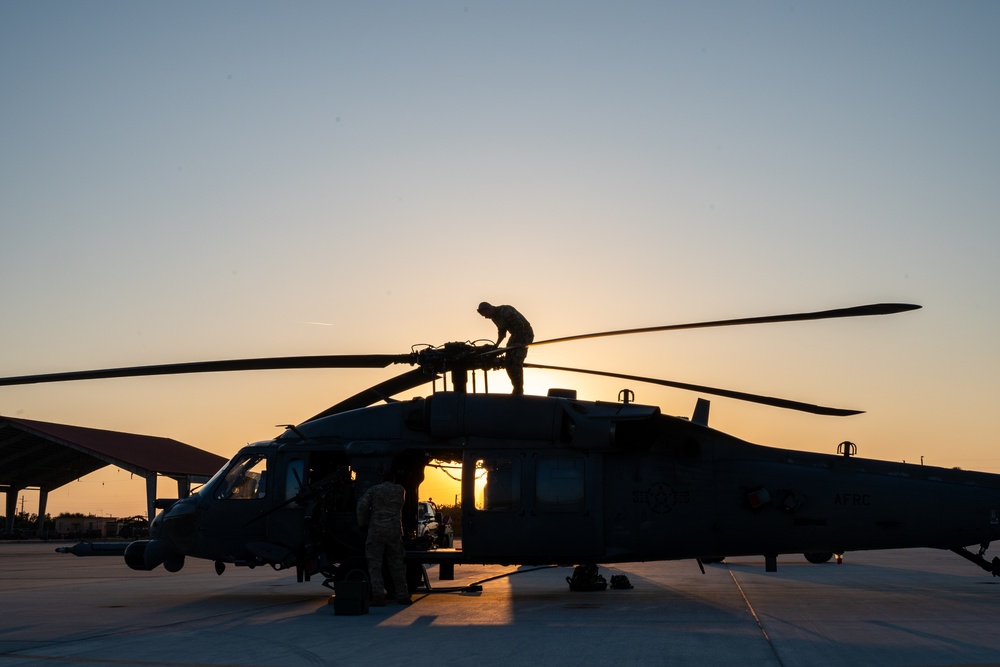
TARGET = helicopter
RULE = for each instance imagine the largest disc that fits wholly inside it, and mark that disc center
(550, 479)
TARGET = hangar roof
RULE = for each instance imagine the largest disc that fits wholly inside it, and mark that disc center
(47, 455)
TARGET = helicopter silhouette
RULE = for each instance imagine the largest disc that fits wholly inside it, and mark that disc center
(550, 479)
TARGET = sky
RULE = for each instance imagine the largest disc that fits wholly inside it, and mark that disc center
(192, 181)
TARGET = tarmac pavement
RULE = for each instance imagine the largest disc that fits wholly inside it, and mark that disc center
(917, 607)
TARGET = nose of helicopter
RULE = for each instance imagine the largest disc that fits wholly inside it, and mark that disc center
(172, 533)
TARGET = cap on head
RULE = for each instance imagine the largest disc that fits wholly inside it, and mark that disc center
(485, 306)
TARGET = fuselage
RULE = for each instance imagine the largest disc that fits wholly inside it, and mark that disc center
(559, 480)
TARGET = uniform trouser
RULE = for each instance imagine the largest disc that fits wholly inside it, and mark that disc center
(514, 362)
(390, 544)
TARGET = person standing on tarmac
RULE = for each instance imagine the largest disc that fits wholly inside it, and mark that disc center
(506, 318)
(380, 508)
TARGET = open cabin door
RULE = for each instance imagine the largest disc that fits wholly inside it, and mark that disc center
(532, 507)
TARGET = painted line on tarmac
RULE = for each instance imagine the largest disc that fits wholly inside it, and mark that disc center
(755, 617)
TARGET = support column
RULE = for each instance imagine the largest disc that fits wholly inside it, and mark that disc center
(43, 500)
(150, 494)
(11, 507)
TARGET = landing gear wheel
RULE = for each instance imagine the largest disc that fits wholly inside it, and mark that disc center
(818, 557)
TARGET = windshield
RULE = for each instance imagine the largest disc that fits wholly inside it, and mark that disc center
(204, 488)
(245, 479)
(245, 476)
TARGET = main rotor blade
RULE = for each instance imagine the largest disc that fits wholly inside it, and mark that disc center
(855, 311)
(380, 392)
(739, 395)
(270, 363)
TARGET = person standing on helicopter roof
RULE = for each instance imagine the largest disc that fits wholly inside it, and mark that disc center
(380, 508)
(506, 318)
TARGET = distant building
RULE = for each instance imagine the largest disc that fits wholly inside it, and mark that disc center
(87, 526)
(47, 456)
(94, 527)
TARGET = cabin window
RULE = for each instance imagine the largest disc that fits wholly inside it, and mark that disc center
(498, 484)
(559, 483)
(245, 479)
(293, 478)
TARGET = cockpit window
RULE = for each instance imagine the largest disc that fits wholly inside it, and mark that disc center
(245, 479)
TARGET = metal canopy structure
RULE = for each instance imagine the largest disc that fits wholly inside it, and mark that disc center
(46, 456)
